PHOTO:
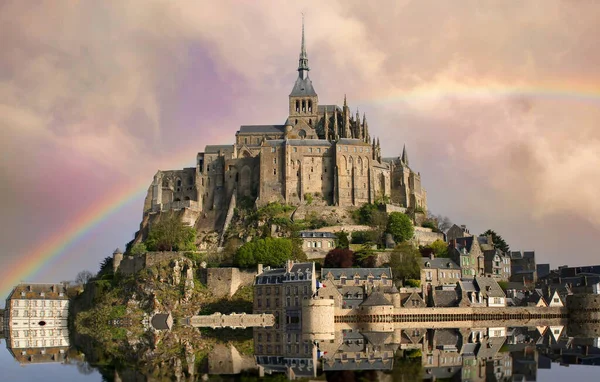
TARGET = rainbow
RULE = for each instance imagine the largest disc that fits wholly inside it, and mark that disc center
(582, 91)
(54, 246)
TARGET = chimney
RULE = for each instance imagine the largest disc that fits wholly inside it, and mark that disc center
(431, 256)
(260, 269)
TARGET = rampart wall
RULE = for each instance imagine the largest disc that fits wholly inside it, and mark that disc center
(224, 282)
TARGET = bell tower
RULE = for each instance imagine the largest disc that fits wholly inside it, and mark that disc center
(304, 101)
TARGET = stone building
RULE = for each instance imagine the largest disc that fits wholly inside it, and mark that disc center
(523, 267)
(467, 253)
(36, 317)
(321, 151)
(438, 272)
(281, 292)
(316, 244)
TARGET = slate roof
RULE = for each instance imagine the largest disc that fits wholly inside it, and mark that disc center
(309, 142)
(468, 286)
(162, 321)
(266, 129)
(330, 108)
(363, 273)
(446, 298)
(352, 141)
(446, 337)
(309, 234)
(27, 291)
(214, 149)
(489, 287)
(303, 87)
(465, 242)
(376, 338)
(376, 299)
(439, 263)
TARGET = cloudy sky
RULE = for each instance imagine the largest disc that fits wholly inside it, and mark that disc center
(497, 102)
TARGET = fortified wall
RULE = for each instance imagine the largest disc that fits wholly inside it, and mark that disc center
(221, 282)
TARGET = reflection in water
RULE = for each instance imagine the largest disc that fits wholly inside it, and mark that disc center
(409, 354)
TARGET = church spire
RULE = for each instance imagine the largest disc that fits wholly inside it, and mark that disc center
(404, 156)
(303, 61)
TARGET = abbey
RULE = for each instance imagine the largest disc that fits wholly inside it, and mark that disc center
(321, 152)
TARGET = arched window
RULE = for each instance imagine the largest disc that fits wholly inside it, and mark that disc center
(178, 182)
(297, 106)
(309, 105)
(303, 106)
(310, 122)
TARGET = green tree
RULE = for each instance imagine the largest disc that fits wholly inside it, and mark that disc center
(405, 261)
(268, 251)
(400, 226)
(440, 248)
(365, 257)
(498, 241)
(342, 240)
(139, 249)
(171, 235)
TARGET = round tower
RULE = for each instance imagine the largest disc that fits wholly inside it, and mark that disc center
(318, 319)
(117, 258)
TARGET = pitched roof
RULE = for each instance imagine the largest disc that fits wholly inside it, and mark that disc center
(26, 291)
(363, 273)
(330, 108)
(445, 298)
(376, 338)
(303, 87)
(162, 321)
(352, 141)
(316, 234)
(376, 299)
(465, 242)
(309, 142)
(266, 129)
(489, 287)
(439, 263)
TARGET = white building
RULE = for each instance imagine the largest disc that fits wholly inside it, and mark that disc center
(36, 320)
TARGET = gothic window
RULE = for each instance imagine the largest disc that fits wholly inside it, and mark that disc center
(246, 141)
(310, 106)
(296, 122)
(297, 106)
(178, 182)
(310, 122)
(303, 106)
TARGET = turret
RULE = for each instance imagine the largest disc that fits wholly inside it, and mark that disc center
(359, 132)
(117, 258)
(347, 133)
(366, 129)
(404, 158)
(335, 124)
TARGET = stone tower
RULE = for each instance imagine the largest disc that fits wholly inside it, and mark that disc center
(304, 101)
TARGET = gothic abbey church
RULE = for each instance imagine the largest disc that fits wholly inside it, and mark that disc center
(321, 150)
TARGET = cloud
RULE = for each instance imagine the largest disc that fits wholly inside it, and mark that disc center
(495, 100)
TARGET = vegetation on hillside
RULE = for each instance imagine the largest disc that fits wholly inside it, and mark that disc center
(405, 261)
(268, 251)
(170, 234)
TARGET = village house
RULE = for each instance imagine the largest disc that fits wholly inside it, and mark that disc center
(437, 271)
(36, 322)
(482, 292)
(496, 264)
(467, 253)
(370, 277)
(456, 232)
(316, 244)
(523, 267)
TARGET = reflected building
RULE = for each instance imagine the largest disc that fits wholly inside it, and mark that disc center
(36, 323)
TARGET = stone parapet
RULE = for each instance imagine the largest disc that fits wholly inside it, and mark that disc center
(234, 320)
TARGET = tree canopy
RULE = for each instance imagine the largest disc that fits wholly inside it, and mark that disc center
(171, 235)
(342, 240)
(498, 241)
(400, 226)
(405, 261)
(440, 248)
(268, 251)
(339, 258)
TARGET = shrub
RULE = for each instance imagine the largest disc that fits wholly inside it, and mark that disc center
(268, 251)
(139, 249)
(171, 235)
(429, 224)
(364, 237)
(400, 226)
(309, 198)
(413, 283)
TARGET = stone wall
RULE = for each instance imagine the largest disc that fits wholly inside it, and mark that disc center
(389, 208)
(426, 236)
(224, 282)
(133, 264)
(226, 359)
